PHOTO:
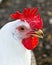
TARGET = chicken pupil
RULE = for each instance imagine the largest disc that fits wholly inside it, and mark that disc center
(22, 28)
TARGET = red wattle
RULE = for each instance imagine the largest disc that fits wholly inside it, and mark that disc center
(30, 43)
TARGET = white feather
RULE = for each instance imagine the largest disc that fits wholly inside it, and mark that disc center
(12, 52)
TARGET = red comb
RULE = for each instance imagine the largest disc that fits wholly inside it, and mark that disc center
(30, 15)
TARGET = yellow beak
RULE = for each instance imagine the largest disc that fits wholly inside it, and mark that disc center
(38, 33)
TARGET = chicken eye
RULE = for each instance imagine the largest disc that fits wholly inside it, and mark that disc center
(22, 28)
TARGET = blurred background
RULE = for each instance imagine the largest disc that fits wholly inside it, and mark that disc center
(43, 52)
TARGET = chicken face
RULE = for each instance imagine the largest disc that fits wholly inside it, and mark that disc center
(26, 34)
(30, 27)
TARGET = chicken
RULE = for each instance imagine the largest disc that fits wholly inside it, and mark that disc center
(19, 37)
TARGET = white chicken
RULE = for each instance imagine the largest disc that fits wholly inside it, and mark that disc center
(17, 38)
